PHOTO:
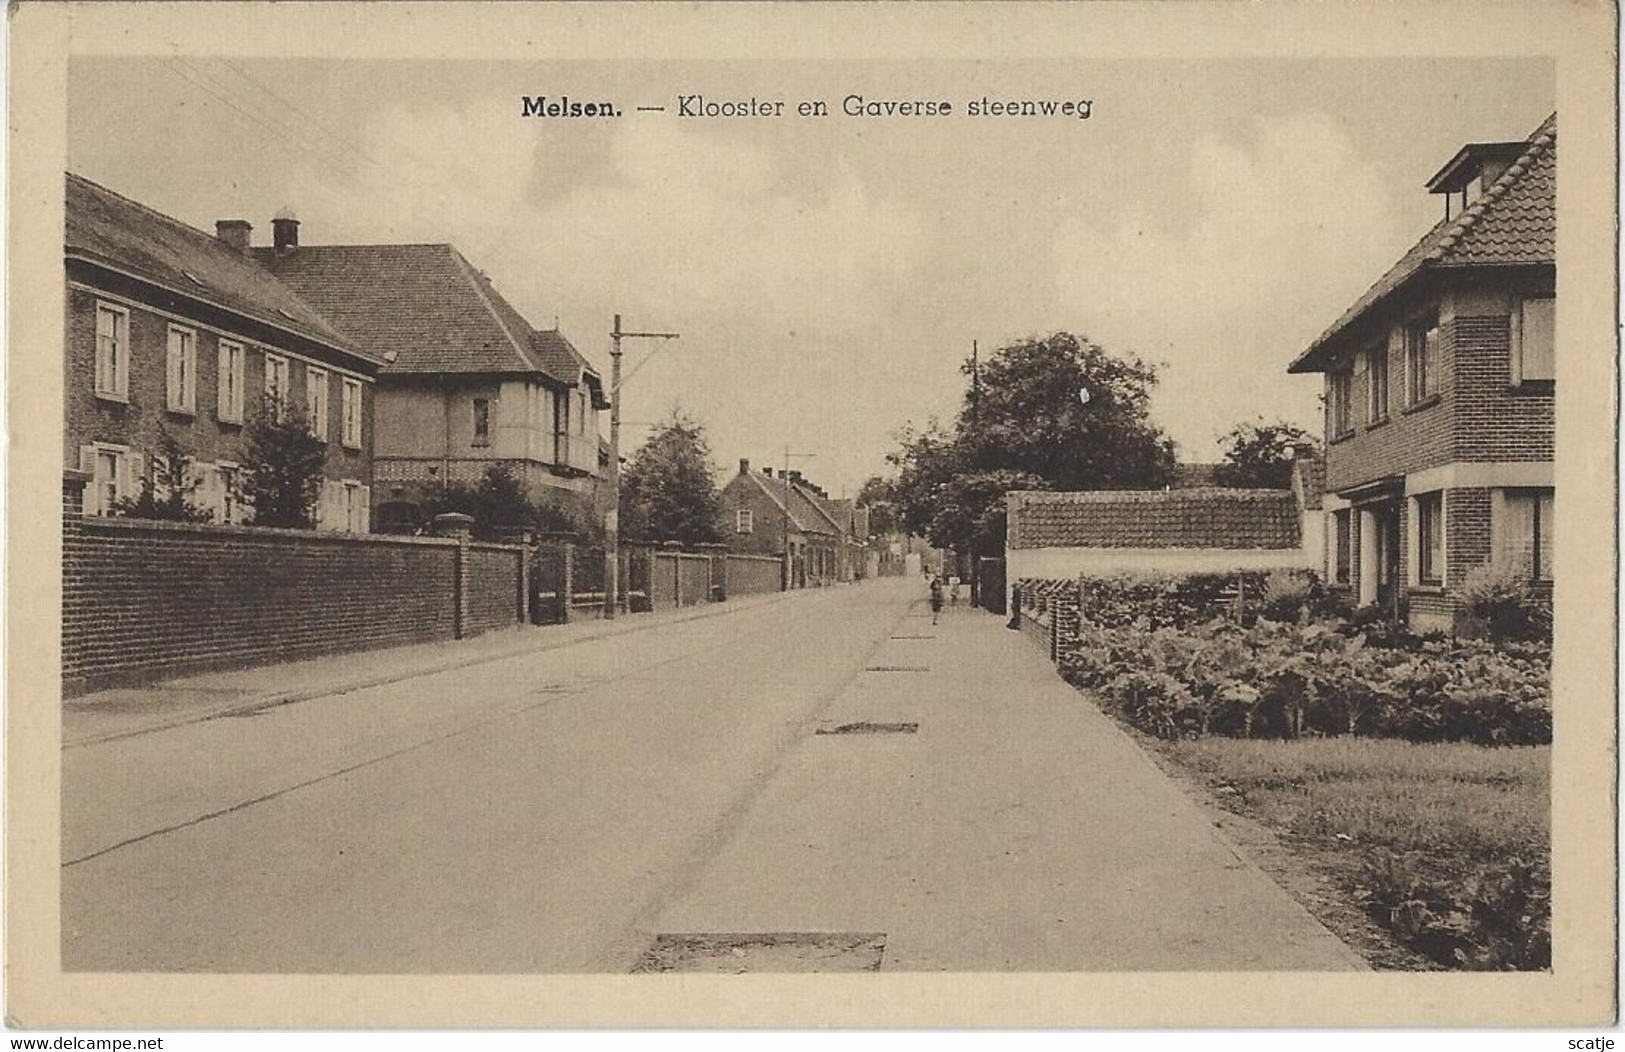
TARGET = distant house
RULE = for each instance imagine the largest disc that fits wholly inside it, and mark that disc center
(471, 384)
(1439, 393)
(173, 331)
(1097, 532)
(764, 515)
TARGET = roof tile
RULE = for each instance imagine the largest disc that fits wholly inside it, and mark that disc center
(108, 228)
(1180, 518)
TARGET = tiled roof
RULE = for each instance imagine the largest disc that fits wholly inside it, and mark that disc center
(1309, 477)
(425, 303)
(111, 230)
(1187, 476)
(1179, 518)
(805, 514)
(1513, 222)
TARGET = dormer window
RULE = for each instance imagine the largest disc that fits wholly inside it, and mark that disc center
(1473, 170)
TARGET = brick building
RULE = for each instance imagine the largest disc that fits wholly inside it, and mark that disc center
(763, 515)
(470, 384)
(173, 331)
(1439, 393)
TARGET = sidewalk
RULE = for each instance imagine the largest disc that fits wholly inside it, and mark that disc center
(1016, 829)
(125, 711)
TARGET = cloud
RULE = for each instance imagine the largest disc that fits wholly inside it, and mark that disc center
(1281, 230)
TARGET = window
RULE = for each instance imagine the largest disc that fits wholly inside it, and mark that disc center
(1421, 359)
(228, 490)
(561, 427)
(1430, 539)
(581, 414)
(230, 375)
(1377, 384)
(482, 421)
(355, 499)
(1342, 545)
(1524, 536)
(316, 401)
(1534, 346)
(744, 520)
(1340, 395)
(350, 407)
(112, 351)
(113, 475)
(276, 383)
(182, 385)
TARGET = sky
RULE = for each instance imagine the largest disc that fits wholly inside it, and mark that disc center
(829, 274)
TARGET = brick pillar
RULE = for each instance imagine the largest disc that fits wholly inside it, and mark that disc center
(676, 550)
(460, 528)
(567, 580)
(718, 554)
(527, 546)
(75, 588)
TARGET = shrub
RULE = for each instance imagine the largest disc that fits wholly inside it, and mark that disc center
(1496, 917)
(166, 493)
(1499, 601)
(284, 467)
(1272, 679)
(1286, 595)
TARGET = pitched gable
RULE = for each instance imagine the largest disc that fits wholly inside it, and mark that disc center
(426, 304)
(1514, 222)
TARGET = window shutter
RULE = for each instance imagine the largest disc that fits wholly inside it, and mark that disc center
(1536, 339)
(364, 519)
(172, 389)
(87, 464)
(130, 476)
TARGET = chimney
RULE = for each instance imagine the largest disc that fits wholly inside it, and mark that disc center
(285, 231)
(234, 232)
(744, 466)
(795, 478)
(768, 472)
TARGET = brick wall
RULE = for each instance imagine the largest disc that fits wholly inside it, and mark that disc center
(137, 422)
(754, 574)
(1495, 421)
(142, 600)
(492, 581)
(680, 579)
(1412, 438)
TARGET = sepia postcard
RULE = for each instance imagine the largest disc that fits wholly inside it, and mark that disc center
(941, 515)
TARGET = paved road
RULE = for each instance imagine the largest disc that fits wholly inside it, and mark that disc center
(559, 811)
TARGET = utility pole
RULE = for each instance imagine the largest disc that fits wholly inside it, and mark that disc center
(612, 521)
(789, 491)
(975, 384)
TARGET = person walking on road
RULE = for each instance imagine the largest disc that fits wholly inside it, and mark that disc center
(936, 599)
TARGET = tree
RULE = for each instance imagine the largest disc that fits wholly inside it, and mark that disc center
(1259, 454)
(1023, 425)
(668, 490)
(284, 467)
(167, 492)
(498, 503)
(1026, 414)
(879, 496)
